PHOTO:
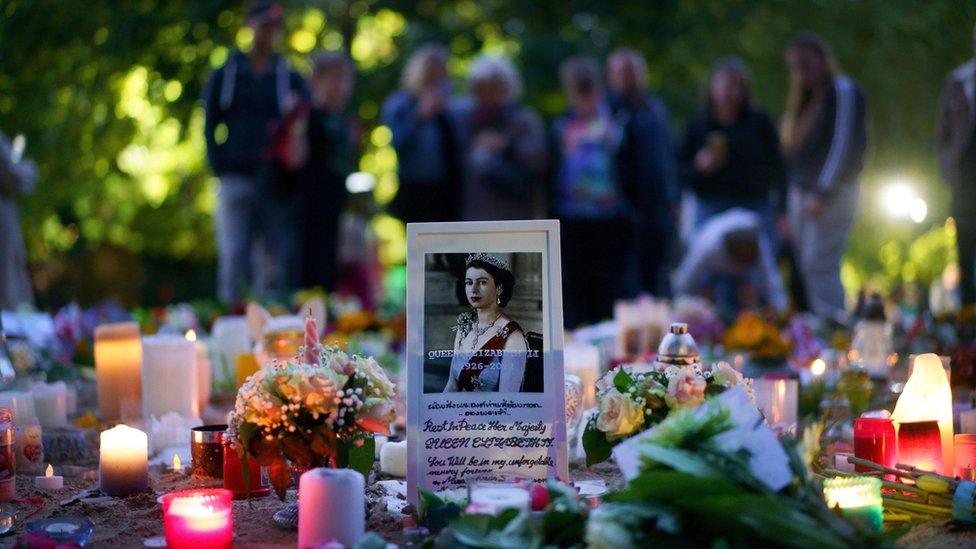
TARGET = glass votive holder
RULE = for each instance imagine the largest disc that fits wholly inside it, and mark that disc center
(207, 451)
(965, 451)
(777, 399)
(258, 486)
(859, 499)
(493, 494)
(199, 518)
(920, 444)
(874, 440)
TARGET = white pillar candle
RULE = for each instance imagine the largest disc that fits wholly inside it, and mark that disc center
(51, 404)
(21, 405)
(229, 337)
(331, 506)
(118, 360)
(967, 422)
(204, 371)
(169, 376)
(49, 481)
(123, 461)
(777, 399)
(393, 458)
(583, 361)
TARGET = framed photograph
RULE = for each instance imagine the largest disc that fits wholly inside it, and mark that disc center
(485, 384)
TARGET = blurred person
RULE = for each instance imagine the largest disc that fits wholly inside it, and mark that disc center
(360, 268)
(245, 101)
(504, 146)
(17, 179)
(425, 136)
(330, 146)
(730, 156)
(824, 140)
(730, 253)
(587, 196)
(646, 166)
(956, 147)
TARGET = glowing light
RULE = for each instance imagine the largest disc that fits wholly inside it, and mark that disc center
(360, 182)
(49, 472)
(898, 198)
(918, 210)
(191, 335)
(177, 465)
(818, 367)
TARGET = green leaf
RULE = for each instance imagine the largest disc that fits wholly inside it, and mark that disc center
(622, 380)
(680, 460)
(361, 458)
(596, 445)
(667, 486)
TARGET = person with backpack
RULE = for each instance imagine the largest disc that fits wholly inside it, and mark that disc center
(250, 105)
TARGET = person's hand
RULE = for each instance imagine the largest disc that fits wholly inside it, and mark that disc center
(708, 160)
(813, 205)
(431, 103)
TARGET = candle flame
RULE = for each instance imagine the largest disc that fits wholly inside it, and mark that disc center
(50, 471)
(176, 462)
(191, 335)
(818, 367)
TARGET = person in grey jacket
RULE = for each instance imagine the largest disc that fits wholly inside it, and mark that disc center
(824, 141)
(17, 179)
(504, 145)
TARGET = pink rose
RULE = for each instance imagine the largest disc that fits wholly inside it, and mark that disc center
(686, 389)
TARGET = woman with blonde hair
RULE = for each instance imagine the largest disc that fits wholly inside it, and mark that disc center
(824, 140)
(425, 137)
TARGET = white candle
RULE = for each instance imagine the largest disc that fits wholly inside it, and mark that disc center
(331, 506)
(123, 462)
(204, 371)
(49, 481)
(169, 377)
(21, 405)
(229, 337)
(495, 498)
(118, 359)
(583, 361)
(778, 400)
(51, 404)
(393, 458)
(967, 422)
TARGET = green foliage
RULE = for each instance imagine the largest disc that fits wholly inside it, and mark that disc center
(106, 94)
(596, 445)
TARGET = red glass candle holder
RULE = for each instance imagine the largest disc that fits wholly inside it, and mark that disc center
(259, 485)
(965, 446)
(199, 518)
(874, 440)
(920, 444)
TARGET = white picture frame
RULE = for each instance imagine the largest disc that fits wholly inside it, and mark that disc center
(517, 243)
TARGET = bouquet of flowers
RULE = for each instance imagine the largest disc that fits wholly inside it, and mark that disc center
(752, 333)
(631, 402)
(320, 410)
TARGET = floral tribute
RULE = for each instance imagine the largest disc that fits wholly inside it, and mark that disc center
(630, 402)
(322, 409)
(760, 337)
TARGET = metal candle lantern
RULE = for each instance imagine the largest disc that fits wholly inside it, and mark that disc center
(677, 348)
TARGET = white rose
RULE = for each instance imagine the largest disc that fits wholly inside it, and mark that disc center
(603, 533)
(725, 375)
(619, 415)
(377, 378)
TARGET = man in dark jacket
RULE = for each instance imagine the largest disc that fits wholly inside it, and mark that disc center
(645, 166)
(245, 100)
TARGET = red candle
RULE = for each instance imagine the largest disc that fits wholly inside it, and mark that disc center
(874, 440)
(920, 444)
(199, 518)
(965, 455)
(234, 472)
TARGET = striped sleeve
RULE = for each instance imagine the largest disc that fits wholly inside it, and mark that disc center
(845, 124)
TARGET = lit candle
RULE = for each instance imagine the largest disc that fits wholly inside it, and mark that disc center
(204, 371)
(177, 466)
(118, 362)
(123, 463)
(777, 399)
(583, 361)
(928, 397)
(859, 499)
(331, 507)
(169, 376)
(491, 496)
(818, 367)
(919, 444)
(51, 404)
(49, 481)
(199, 518)
(874, 440)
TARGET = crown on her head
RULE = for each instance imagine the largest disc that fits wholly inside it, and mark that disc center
(489, 259)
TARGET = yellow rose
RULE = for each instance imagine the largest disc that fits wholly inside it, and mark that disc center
(619, 414)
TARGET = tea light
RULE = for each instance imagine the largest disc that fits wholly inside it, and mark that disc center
(859, 499)
(49, 481)
(123, 463)
(51, 404)
(331, 507)
(204, 371)
(492, 496)
(177, 464)
(928, 397)
(118, 366)
(393, 458)
(583, 361)
(199, 518)
(919, 444)
(777, 399)
(169, 376)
